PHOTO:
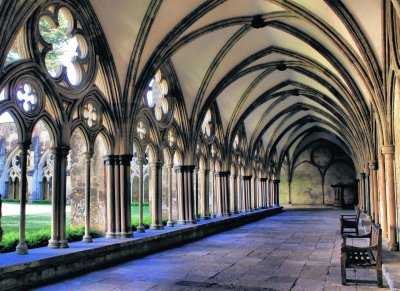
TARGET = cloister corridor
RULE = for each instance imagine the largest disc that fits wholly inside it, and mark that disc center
(298, 249)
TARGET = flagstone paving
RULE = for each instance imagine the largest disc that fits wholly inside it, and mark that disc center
(298, 249)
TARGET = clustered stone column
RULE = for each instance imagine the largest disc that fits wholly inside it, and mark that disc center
(184, 176)
(169, 182)
(205, 212)
(374, 189)
(140, 227)
(118, 196)
(264, 192)
(125, 190)
(382, 192)
(276, 192)
(363, 202)
(156, 196)
(88, 159)
(233, 194)
(388, 152)
(212, 192)
(247, 193)
(22, 247)
(109, 162)
(59, 198)
(222, 192)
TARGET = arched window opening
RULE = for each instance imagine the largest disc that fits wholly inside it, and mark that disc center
(156, 96)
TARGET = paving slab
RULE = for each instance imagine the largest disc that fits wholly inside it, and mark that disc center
(294, 250)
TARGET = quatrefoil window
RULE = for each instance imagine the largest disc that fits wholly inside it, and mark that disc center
(156, 95)
(90, 114)
(236, 142)
(66, 47)
(171, 138)
(27, 97)
(206, 126)
(141, 130)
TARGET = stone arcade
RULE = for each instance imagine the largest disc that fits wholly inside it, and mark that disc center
(201, 109)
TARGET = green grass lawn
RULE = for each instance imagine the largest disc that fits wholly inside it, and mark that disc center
(38, 228)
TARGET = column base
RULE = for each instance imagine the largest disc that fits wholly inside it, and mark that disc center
(126, 234)
(64, 244)
(170, 223)
(157, 226)
(205, 217)
(393, 246)
(53, 244)
(186, 222)
(22, 249)
(140, 228)
(87, 239)
(110, 235)
(235, 212)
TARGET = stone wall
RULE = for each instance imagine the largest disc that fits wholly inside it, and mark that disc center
(313, 174)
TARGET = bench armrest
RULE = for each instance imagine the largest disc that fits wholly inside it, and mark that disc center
(353, 248)
(367, 235)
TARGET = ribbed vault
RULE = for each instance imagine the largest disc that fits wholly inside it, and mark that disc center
(285, 71)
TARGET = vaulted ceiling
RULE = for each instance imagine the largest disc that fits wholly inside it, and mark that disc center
(288, 70)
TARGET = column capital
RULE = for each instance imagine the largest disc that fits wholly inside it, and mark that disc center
(387, 149)
(362, 175)
(60, 150)
(88, 155)
(263, 179)
(125, 160)
(109, 160)
(373, 165)
(276, 181)
(184, 168)
(247, 177)
(140, 162)
(204, 171)
(156, 164)
(24, 144)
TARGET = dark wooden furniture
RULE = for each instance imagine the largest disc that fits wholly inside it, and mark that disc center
(350, 222)
(368, 257)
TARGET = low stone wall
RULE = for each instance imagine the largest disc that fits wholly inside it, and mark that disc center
(53, 268)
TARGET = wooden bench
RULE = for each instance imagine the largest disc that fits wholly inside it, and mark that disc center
(368, 257)
(350, 222)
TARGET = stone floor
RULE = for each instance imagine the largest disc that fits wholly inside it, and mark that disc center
(295, 250)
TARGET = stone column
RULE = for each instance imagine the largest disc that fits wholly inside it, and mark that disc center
(367, 190)
(271, 192)
(239, 192)
(226, 193)
(382, 195)
(276, 192)
(117, 196)
(185, 194)
(63, 199)
(169, 182)
(109, 164)
(359, 193)
(88, 159)
(290, 191)
(156, 195)
(22, 247)
(212, 193)
(234, 194)
(196, 192)
(125, 188)
(362, 192)
(254, 191)
(373, 166)
(140, 227)
(54, 241)
(218, 193)
(388, 152)
(205, 212)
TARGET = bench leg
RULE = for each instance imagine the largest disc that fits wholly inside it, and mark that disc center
(379, 276)
(343, 268)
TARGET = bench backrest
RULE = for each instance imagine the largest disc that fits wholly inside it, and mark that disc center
(376, 236)
(358, 214)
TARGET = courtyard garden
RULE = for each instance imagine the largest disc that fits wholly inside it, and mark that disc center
(38, 225)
